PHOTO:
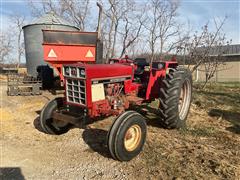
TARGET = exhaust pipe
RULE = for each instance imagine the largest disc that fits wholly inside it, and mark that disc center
(99, 21)
(99, 53)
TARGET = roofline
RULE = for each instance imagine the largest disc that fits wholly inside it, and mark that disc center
(77, 32)
(225, 55)
(49, 24)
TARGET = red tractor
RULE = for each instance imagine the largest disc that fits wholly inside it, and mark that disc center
(96, 90)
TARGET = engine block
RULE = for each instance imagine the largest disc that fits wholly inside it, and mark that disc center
(100, 88)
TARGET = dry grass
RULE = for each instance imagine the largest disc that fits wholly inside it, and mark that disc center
(221, 101)
(210, 146)
(207, 149)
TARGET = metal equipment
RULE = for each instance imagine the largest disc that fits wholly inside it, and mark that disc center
(23, 85)
(69, 47)
(33, 39)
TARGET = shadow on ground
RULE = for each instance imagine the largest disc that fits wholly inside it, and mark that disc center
(36, 123)
(222, 94)
(151, 115)
(38, 112)
(96, 140)
(8, 173)
(230, 116)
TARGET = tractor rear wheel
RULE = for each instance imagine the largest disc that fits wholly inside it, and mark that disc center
(127, 136)
(175, 98)
(50, 125)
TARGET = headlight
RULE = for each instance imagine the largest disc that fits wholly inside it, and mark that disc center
(66, 71)
(82, 72)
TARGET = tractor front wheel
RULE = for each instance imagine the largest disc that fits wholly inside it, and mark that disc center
(50, 125)
(127, 136)
(175, 98)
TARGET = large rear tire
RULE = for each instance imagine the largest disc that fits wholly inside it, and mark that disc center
(175, 98)
(50, 125)
(127, 136)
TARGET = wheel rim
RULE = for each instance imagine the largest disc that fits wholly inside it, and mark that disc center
(132, 138)
(184, 99)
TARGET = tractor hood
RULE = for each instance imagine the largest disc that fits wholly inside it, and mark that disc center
(98, 71)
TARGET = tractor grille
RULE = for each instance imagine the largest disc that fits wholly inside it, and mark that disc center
(76, 91)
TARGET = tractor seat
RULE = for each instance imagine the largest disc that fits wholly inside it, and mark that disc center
(141, 63)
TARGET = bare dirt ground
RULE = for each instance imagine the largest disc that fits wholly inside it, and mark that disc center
(208, 149)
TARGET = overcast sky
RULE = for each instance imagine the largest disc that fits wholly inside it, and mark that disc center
(197, 12)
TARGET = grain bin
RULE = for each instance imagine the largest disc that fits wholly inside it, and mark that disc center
(33, 39)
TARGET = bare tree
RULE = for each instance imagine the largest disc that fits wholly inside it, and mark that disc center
(168, 26)
(5, 46)
(38, 8)
(215, 55)
(76, 12)
(115, 12)
(18, 22)
(206, 49)
(131, 31)
(162, 27)
(151, 26)
(111, 23)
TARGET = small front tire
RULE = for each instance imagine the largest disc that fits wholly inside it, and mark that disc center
(50, 125)
(127, 136)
